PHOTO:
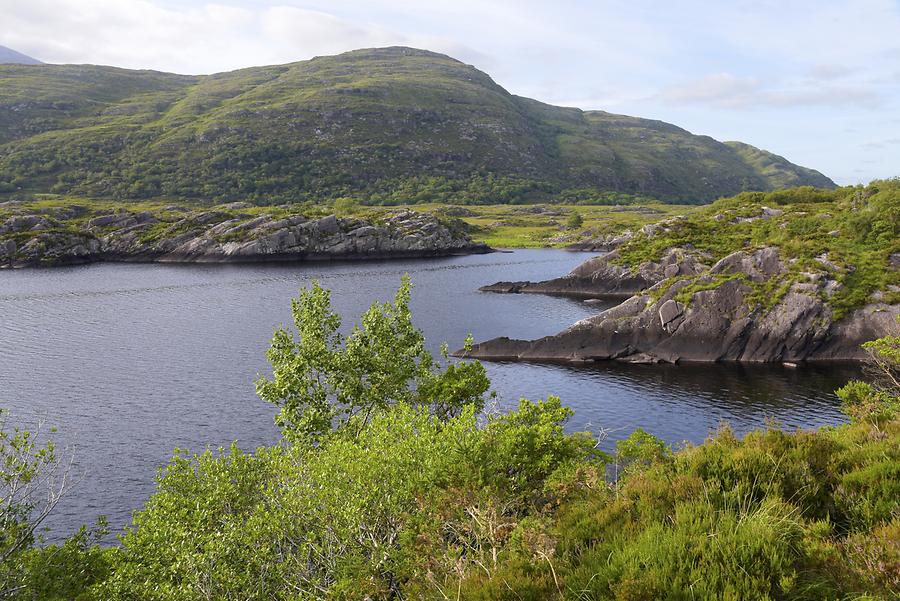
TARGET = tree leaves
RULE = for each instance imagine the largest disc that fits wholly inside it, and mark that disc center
(321, 381)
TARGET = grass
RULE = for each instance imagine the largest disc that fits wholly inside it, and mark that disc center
(544, 225)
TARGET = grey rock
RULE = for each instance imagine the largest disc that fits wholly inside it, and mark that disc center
(208, 217)
(363, 231)
(327, 225)
(20, 223)
(670, 315)
(106, 220)
(216, 236)
(827, 263)
(719, 324)
(602, 277)
(765, 213)
(601, 243)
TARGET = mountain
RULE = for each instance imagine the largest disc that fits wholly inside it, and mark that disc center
(8, 55)
(388, 125)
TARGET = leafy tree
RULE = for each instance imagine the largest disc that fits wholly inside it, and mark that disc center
(575, 221)
(641, 448)
(390, 488)
(345, 205)
(33, 479)
(69, 570)
(320, 379)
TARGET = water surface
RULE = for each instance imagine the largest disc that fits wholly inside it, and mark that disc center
(130, 361)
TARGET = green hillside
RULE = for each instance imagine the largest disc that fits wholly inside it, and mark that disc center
(385, 126)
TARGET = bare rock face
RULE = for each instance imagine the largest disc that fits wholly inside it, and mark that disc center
(603, 243)
(671, 315)
(219, 236)
(602, 277)
(722, 323)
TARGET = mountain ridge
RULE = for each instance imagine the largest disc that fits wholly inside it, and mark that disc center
(10, 56)
(385, 126)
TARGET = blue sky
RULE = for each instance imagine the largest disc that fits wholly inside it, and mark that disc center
(815, 81)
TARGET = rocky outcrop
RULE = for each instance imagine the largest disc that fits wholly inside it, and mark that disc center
(716, 316)
(224, 236)
(599, 243)
(603, 277)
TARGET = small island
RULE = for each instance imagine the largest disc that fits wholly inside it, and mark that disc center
(790, 276)
(59, 233)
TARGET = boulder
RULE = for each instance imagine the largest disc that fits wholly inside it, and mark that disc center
(671, 315)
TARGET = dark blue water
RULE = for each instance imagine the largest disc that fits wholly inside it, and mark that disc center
(131, 361)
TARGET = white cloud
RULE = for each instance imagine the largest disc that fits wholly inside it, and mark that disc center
(829, 72)
(882, 144)
(721, 89)
(135, 33)
(724, 90)
(306, 31)
(199, 38)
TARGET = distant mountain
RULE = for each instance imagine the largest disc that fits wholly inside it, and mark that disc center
(382, 125)
(8, 55)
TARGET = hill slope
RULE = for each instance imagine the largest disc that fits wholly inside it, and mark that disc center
(384, 125)
(8, 55)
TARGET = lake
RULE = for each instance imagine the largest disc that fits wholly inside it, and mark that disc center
(129, 361)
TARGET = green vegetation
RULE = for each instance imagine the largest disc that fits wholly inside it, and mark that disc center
(499, 226)
(391, 483)
(850, 233)
(384, 127)
(575, 221)
(543, 226)
(322, 382)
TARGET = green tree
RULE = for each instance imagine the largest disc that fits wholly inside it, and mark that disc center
(575, 221)
(345, 205)
(33, 479)
(320, 380)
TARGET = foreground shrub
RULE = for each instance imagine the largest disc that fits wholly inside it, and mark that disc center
(391, 483)
(409, 497)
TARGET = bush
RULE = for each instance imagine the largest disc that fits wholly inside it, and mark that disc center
(390, 483)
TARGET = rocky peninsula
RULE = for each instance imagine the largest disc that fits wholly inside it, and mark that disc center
(741, 282)
(50, 236)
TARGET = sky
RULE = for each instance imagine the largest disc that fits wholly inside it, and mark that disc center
(816, 81)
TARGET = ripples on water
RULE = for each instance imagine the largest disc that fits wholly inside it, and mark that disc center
(131, 361)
